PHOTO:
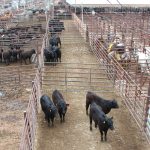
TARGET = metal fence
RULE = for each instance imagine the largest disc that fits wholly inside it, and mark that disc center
(135, 100)
(138, 103)
(30, 116)
(76, 77)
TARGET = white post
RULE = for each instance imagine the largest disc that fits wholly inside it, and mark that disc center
(52, 8)
(24, 6)
(4, 3)
(93, 13)
(82, 12)
(75, 7)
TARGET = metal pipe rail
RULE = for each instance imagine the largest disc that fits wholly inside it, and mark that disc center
(30, 116)
(137, 103)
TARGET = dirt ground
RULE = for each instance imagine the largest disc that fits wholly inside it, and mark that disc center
(13, 104)
(75, 134)
(16, 99)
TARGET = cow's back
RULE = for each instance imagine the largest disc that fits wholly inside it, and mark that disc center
(45, 102)
(96, 112)
(57, 97)
(92, 97)
(89, 98)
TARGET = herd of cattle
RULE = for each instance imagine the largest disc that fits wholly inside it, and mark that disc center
(53, 52)
(99, 107)
(15, 55)
(15, 38)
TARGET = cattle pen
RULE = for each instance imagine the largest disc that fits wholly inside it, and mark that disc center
(85, 67)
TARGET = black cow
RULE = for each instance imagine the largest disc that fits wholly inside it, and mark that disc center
(58, 53)
(99, 117)
(106, 105)
(60, 104)
(48, 108)
(55, 40)
(24, 55)
(15, 53)
(50, 56)
(6, 56)
(1, 55)
(58, 40)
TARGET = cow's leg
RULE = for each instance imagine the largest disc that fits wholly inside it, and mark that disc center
(52, 119)
(45, 117)
(95, 124)
(101, 135)
(25, 61)
(60, 44)
(48, 121)
(21, 61)
(90, 122)
(16, 58)
(7, 62)
(87, 106)
(29, 60)
(60, 57)
(63, 117)
(60, 117)
(105, 135)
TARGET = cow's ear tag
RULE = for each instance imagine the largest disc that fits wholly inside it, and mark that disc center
(104, 122)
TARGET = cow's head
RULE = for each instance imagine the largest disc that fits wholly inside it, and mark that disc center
(53, 111)
(33, 51)
(114, 104)
(62, 107)
(109, 122)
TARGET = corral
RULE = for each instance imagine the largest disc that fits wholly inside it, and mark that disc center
(85, 67)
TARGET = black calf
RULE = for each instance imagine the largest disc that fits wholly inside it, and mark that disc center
(98, 116)
(106, 105)
(48, 108)
(60, 104)
(27, 55)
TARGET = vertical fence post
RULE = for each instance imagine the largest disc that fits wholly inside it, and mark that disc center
(114, 76)
(87, 34)
(24, 114)
(147, 107)
(66, 78)
(34, 95)
(90, 79)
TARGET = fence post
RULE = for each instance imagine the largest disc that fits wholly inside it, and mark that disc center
(90, 79)
(24, 114)
(147, 107)
(114, 76)
(34, 96)
(87, 34)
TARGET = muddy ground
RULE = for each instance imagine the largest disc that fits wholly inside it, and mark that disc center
(75, 134)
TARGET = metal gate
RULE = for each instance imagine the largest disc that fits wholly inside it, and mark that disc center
(74, 77)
